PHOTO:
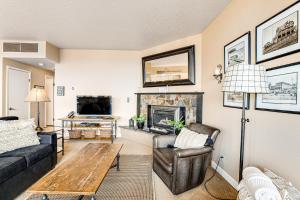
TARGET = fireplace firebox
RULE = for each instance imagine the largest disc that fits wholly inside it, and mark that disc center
(159, 117)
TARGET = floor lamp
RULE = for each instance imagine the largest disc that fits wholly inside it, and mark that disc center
(245, 79)
(37, 94)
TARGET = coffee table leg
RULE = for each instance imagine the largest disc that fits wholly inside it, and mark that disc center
(80, 197)
(45, 197)
(118, 162)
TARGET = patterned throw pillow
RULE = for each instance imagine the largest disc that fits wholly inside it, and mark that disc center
(17, 134)
(189, 139)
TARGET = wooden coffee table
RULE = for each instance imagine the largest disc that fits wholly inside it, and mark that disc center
(80, 175)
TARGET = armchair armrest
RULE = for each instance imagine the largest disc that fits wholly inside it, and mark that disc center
(162, 141)
(182, 153)
(48, 138)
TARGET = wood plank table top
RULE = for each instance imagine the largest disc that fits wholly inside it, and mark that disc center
(81, 174)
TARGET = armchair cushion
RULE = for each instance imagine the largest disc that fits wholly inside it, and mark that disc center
(189, 139)
(165, 157)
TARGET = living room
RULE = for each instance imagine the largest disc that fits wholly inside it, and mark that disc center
(97, 55)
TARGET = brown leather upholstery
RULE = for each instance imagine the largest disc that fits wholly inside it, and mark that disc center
(182, 169)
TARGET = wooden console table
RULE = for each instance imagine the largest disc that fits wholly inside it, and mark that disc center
(109, 120)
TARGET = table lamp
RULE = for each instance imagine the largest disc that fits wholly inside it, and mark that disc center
(37, 94)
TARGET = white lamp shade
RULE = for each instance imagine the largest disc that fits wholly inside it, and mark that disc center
(246, 78)
(37, 95)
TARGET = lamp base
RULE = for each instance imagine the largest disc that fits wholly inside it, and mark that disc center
(39, 129)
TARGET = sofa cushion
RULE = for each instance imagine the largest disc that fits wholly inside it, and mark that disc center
(165, 156)
(17, 134)
(10, 166)
(32, 154)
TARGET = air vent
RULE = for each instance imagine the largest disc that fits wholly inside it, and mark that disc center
(20, 47)
(29, 47)
(11, 47)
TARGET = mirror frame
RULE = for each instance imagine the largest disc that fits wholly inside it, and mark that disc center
(191, 67)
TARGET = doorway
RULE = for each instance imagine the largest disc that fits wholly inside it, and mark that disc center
(49, 106)
(18, 85)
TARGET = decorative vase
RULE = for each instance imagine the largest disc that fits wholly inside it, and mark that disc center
(140, 125)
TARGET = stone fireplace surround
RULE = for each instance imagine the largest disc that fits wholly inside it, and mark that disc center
(190, 101)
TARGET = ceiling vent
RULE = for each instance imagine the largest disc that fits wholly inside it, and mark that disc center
(30, 52)
(20, 47)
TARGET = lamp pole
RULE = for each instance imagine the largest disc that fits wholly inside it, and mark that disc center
(243, 127)
(38, 128)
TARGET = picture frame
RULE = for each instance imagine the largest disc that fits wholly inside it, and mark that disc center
(284, 85)
(170, 68)
(237, 52)
(60, 91)
(279, 35)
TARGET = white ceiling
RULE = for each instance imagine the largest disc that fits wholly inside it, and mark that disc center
(47, 64)
(106, 24)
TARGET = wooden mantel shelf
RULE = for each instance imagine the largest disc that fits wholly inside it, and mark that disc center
(166, 93)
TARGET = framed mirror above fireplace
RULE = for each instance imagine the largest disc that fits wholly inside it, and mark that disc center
(175, 67)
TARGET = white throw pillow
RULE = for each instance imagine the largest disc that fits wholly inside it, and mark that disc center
(190, 139)
(17, 134)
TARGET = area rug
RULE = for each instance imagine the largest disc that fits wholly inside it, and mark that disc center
(132, 182)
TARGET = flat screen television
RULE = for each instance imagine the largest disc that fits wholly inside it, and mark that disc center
(94, 105)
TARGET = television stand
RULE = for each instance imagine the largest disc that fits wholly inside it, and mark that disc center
(93, 117)
(99, 124)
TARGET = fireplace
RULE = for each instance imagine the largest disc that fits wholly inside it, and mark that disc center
(159, 116)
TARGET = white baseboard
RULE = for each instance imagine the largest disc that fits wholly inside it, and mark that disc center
(225, 175)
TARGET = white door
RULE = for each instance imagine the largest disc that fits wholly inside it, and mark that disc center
(18, 84)
(49, 87)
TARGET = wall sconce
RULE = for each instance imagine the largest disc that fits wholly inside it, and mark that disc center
(218, 74)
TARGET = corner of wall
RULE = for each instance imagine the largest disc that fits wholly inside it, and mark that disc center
(225, 175)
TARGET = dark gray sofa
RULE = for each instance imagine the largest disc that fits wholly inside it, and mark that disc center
(22, 167)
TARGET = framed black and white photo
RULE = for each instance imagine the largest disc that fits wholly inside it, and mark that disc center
(279, 35)
(236, 52)
(284, 90)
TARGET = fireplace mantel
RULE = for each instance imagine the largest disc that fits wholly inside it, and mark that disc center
(191, 100)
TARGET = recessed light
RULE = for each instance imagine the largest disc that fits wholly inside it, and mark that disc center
(41, 64)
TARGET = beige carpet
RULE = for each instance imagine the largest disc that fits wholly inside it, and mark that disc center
(132, 182)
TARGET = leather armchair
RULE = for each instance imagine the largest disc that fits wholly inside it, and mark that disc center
(182, 169)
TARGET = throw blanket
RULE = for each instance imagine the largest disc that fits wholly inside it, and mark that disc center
(258, 186)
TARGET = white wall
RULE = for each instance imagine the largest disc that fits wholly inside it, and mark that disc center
(98, 72)
(272, 138)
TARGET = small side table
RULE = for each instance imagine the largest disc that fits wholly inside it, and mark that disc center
(60, 136)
